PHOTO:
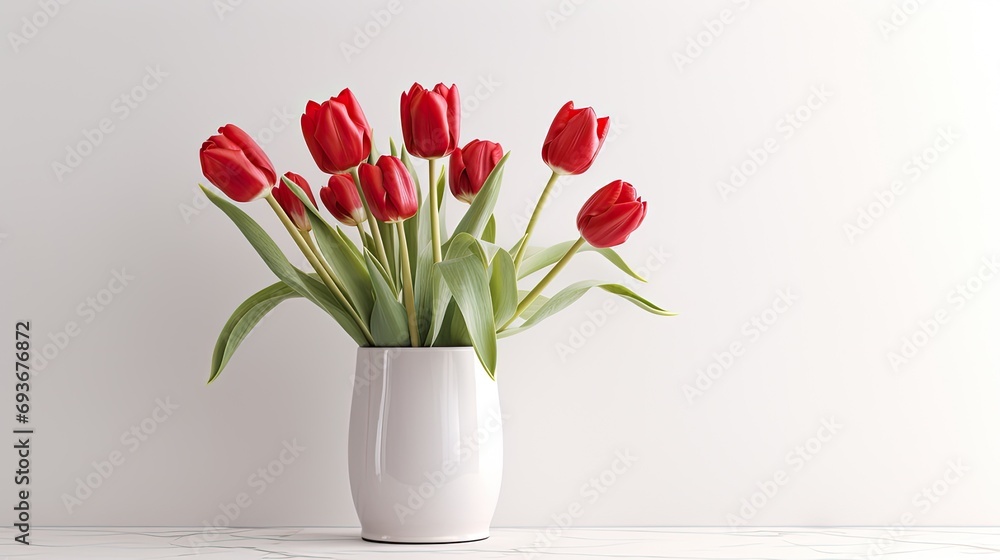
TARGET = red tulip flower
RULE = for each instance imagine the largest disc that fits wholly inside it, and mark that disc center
(341, 198)
(337, 133)
(430, 120)
(291, 204)
(389, 189)
(234, 163)
(469, 167)
(610, 215)
(575, 137)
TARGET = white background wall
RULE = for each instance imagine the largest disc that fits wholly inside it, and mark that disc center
(573, 402)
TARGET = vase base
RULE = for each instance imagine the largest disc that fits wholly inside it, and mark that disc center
(428, 540)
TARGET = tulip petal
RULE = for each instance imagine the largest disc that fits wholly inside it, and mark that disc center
(603, 126)
(341, 198)
(347, 99)
(292, 206)
(599, 202)
(574, 149)
(566, 112)
(454, 115)
(456, 169)
(401, 193)
(614, 226)
(234, 174)
(219, 141)
(309, 122)
(430, 124)
(405, 117)
(480, 161)
(626, 194)
(251, 150)
(372, 185)
(339, 137)
(302, 183)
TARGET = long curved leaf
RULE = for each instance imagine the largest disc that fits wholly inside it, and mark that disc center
(479, 212)
(490, 231)
(309, 288)
(470, 287)
(341, 254)
(388, 320)
(534, 306)
(542, 258)
(412, 228)
(442, 174)
(350, 244)
(389, 241)
(503, 287)
(464, 244)
(573, 292)
(461, 245)
(243, 320)
(424, 287)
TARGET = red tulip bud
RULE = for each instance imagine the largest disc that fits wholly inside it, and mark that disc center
(430, 120)
(389, 189)
(291, 204)
(337, 133)
(341, 198)
(575, 137)
(469, 167)
(234, 163)
(610, 215)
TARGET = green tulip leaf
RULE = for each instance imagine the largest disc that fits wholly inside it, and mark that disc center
(454, 332)
(533, 307)
(490, 231)
(442, 175)
(243, 320)
(309, 288)
(573, 292)
(404, 156)
(536, 259)
(470, 287)
(513, 250)
(389, 241)
(425, 282)
(388, 320)
(369, 244)
(503, 287)
(341, 254)
(350, 244)
(479, 212)
(463, 244)
(458, 331)
(412, 228)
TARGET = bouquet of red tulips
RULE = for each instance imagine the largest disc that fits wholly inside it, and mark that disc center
(405, 280)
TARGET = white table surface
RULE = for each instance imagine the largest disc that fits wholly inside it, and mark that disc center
(137, 543)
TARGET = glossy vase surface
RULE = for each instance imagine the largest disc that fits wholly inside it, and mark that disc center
(425, 449)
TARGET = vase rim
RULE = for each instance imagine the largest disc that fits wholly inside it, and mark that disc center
(423, 349)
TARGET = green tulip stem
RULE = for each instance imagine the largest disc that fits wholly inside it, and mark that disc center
(522, 249)
(372, 223)
(361, 233)
(411, 310)
(435, 227)
(537, 290)
(317, 265)
(319, 257)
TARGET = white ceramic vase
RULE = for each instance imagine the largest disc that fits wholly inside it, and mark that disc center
(425, 450)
